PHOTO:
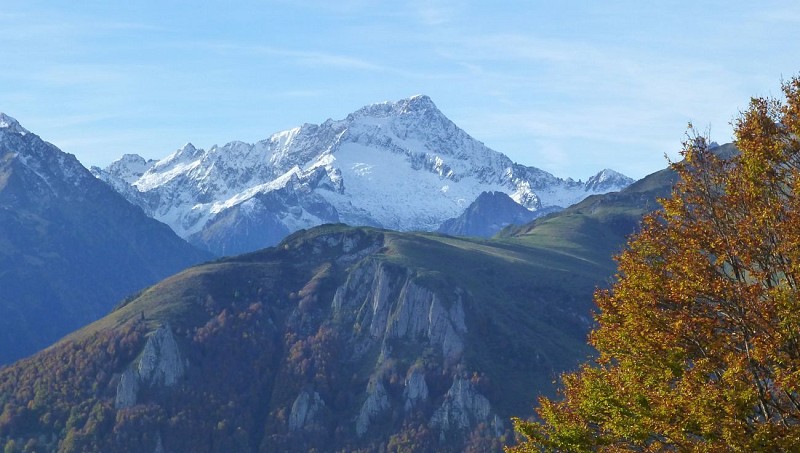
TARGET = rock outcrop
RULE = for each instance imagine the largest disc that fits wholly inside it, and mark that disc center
(159, 444)
(127, 389)
(416, 389)
(377, 402)
(420, 313)
(160, 365)
(305, 410)
(463, 408)
(393, 305)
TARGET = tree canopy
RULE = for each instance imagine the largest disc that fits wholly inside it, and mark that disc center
(698, 339)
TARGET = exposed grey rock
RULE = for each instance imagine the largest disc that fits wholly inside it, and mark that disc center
(348, 246)
(349, 296)
(421, 313)
(349, 258)
(159, 444)
(127, 389)
(161, 363)
(417, 315)
(462, 409)
(305, 409)
(377, 402)
(416, 391)
(392, 305)
(383, 285)
(497, 425)
(453, 340)
(350, 243)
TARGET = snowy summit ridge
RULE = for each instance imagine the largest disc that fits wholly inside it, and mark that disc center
(11, 125)
(24, 152)
(400, 165)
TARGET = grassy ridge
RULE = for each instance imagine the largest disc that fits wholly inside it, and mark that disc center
(260, 328)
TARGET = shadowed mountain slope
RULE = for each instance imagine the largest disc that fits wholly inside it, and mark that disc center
(339, 339)
(70, 246)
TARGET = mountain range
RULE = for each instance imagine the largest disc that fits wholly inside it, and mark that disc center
(397, 165)
(338, 339)
(70, 246)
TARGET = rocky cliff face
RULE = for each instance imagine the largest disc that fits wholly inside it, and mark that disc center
(305, 410)
(416, 389)
(160, 365)
(390, 305)
(386, 316)
(377, 404)
(127, 389)
(338, 339)
(462, 409)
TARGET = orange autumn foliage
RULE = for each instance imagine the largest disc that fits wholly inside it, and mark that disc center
(699, 337)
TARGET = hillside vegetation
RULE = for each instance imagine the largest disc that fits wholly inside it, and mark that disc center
(338, 339)
(698, 337)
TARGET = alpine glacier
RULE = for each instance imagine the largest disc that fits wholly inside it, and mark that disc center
(399, 165)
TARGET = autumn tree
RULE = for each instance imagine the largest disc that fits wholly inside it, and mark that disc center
(698, 339)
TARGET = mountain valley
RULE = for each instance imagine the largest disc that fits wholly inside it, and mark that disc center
(339, 339)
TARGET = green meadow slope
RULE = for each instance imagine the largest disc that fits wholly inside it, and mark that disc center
(339, 339)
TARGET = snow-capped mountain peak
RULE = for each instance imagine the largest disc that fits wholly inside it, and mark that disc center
(41, 160)
(130, 167)
(414, 105)
(606, 174)
(11, 125)
(607, 180)
(185, 153)
(401, 165)
(188, 148)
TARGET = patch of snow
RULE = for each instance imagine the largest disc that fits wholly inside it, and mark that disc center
(401, 165)
(12, 125)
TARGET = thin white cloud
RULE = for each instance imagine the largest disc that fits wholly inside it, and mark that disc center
(299, 94)
(339, 7)
(520, 48)
(40, 26)
(95, 75)
(434, 12)
(311, 58)
(520, 87)
(649, 85)
(299, 56)
(784, 15)
(73, 120)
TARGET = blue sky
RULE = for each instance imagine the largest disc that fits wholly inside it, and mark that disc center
(570, 86)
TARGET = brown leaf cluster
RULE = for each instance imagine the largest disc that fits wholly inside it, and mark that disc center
(699, 337)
